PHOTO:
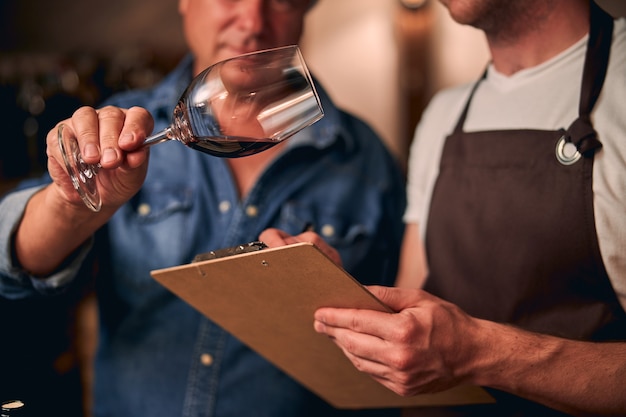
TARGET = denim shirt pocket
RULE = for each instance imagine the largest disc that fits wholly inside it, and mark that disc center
(351, 232)
(151, 232)
(157, 202)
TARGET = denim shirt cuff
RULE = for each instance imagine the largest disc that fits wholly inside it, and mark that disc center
(64, 276)
(11, 212)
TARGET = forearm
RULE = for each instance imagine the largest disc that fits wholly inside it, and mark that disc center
(581, 378)
(50, 231)
(413, 269)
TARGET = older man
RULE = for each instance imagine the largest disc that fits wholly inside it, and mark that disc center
(157, 356)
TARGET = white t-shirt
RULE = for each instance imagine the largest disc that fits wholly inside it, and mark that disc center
(544, 97)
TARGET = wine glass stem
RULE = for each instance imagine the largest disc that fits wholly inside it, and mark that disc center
(159, 137)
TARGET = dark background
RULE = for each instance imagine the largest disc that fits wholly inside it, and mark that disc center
(58, 55)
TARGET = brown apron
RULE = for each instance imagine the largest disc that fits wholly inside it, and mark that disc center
(511, 234)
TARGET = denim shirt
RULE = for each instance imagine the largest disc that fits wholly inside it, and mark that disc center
(157, 356)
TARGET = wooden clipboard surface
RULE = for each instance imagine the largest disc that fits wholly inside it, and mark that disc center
(267, 300)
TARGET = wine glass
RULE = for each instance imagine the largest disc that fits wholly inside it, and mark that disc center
(237, 107)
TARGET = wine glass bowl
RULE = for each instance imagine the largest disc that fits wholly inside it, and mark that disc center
(235, 108)
(81, 173)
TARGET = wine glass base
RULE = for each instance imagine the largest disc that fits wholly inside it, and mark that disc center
(82, 174)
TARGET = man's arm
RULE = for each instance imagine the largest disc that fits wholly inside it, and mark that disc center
(580, 378)
(431, 345)
(56, 221)
(413, 267)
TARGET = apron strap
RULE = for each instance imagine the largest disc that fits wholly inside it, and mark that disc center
(596, 59)
(581, 133)
(459, 124)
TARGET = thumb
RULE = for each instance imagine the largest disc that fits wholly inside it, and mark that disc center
(397, 298)
(273, 237)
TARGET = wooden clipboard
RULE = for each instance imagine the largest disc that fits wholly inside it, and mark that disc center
(267, 299)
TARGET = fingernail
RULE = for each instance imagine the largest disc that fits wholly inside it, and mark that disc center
(319, 327)
(90, 151)
(109, 155)
(126, 139)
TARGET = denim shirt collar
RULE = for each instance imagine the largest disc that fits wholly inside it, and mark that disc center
(324, 133)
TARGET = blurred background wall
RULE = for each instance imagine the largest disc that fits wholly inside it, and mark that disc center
(381, 59)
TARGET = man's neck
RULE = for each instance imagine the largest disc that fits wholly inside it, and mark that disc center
(533, 44)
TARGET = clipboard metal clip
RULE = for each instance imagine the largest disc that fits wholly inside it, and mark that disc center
(233, 250)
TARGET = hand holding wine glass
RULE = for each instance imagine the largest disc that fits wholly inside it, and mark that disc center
(110, 137)
(235, 108)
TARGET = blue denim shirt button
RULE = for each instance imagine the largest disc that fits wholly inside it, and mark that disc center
(224, 206)
(328, 230)
(206, 359)
(143, 209)
(252, 211)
